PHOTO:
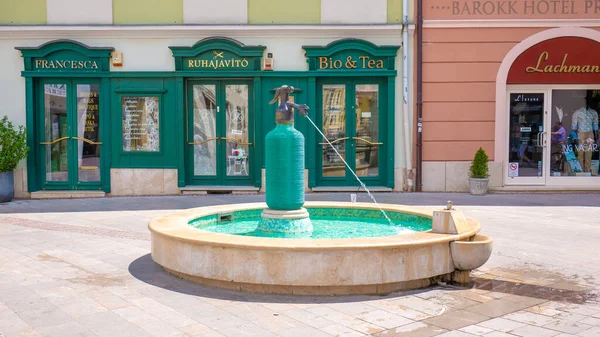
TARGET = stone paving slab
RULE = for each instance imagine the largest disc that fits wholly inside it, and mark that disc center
(81, 267)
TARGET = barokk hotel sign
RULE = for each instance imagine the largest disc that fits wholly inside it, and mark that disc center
(511, 9)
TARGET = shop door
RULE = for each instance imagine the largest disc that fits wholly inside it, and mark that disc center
(352, 116)
(70, 144)
(528, 153)
(220, 133)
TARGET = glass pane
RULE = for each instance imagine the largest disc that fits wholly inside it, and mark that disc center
(334, 128)
(55, 115)
(140, 124)
(574, 141)
(526, 127)
(205, 130)
(88, 132)
(236, 126)
(367, 130)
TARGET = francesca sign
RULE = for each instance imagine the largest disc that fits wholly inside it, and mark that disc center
(563, 60)
(510, 9)
(40, 64)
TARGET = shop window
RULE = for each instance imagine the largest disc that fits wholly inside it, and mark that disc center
(575, 143)
(140, 117)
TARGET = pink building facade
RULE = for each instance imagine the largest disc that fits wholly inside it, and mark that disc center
(519, 78)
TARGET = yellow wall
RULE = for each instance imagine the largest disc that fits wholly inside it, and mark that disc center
(394, 11)
(284, 11)
(148, 11)
(22, 12)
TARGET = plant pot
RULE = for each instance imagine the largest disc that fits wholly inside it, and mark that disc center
(478, 186)
(7, 186)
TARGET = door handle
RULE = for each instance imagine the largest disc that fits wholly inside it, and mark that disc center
(367, 141)
(204, 141)
(87, 141)
(235, 141)
(335, 141)
(544, 139)
(54, 141)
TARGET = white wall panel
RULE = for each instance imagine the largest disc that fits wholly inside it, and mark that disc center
(12, 85)
(79, 11)
(215, 12)
(353, 11)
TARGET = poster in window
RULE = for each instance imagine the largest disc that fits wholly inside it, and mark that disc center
(141, 123)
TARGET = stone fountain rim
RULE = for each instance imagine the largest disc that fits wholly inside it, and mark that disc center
(175, 226)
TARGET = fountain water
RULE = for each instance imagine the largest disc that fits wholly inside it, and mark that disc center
(354, 173)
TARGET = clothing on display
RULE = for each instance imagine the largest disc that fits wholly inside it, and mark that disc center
(585, 120)
(585, 123)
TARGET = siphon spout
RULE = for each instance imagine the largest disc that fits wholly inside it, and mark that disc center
(285, 113)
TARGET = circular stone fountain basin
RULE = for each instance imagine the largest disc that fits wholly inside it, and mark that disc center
(379, 258)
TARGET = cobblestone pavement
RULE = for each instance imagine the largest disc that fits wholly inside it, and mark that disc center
(81, 267)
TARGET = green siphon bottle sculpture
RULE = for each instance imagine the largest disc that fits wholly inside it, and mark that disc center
(284, 156)
(284, 164)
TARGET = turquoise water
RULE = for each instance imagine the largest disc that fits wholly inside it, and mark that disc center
(328, 223)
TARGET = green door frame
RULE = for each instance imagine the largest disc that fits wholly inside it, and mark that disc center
(221, 177)
(350, 121)
(72, 182)
(69, 60)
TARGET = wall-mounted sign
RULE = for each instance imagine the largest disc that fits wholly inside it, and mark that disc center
(66, 56)
(563, 60)
(510, 9)
(513, 169)
(64, 64)
(343, 61)
(218, 54)
(351, 54)
(217, 60)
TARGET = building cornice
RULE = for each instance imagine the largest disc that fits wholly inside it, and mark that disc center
(166, 31)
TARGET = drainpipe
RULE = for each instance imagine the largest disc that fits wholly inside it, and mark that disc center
(407, 137)
(419, 95)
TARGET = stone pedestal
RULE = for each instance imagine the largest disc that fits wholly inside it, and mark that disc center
(461, 276)
(293, 221)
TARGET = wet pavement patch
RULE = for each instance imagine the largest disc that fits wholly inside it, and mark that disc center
(530, 290)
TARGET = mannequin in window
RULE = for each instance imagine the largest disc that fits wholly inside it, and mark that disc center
(585, 123)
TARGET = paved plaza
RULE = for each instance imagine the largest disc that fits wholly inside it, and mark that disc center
(82, 267)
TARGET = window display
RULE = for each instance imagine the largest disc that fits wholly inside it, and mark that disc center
(140, 124)
(575, 144)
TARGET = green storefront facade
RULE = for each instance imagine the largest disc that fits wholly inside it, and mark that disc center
(206, 121)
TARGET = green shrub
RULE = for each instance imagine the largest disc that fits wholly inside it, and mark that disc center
(479, 165)
(13, 145)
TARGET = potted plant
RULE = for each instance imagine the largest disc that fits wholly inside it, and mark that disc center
(479, 173)
(13, 148)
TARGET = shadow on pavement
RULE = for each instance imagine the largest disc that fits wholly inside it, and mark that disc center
(149, 272)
